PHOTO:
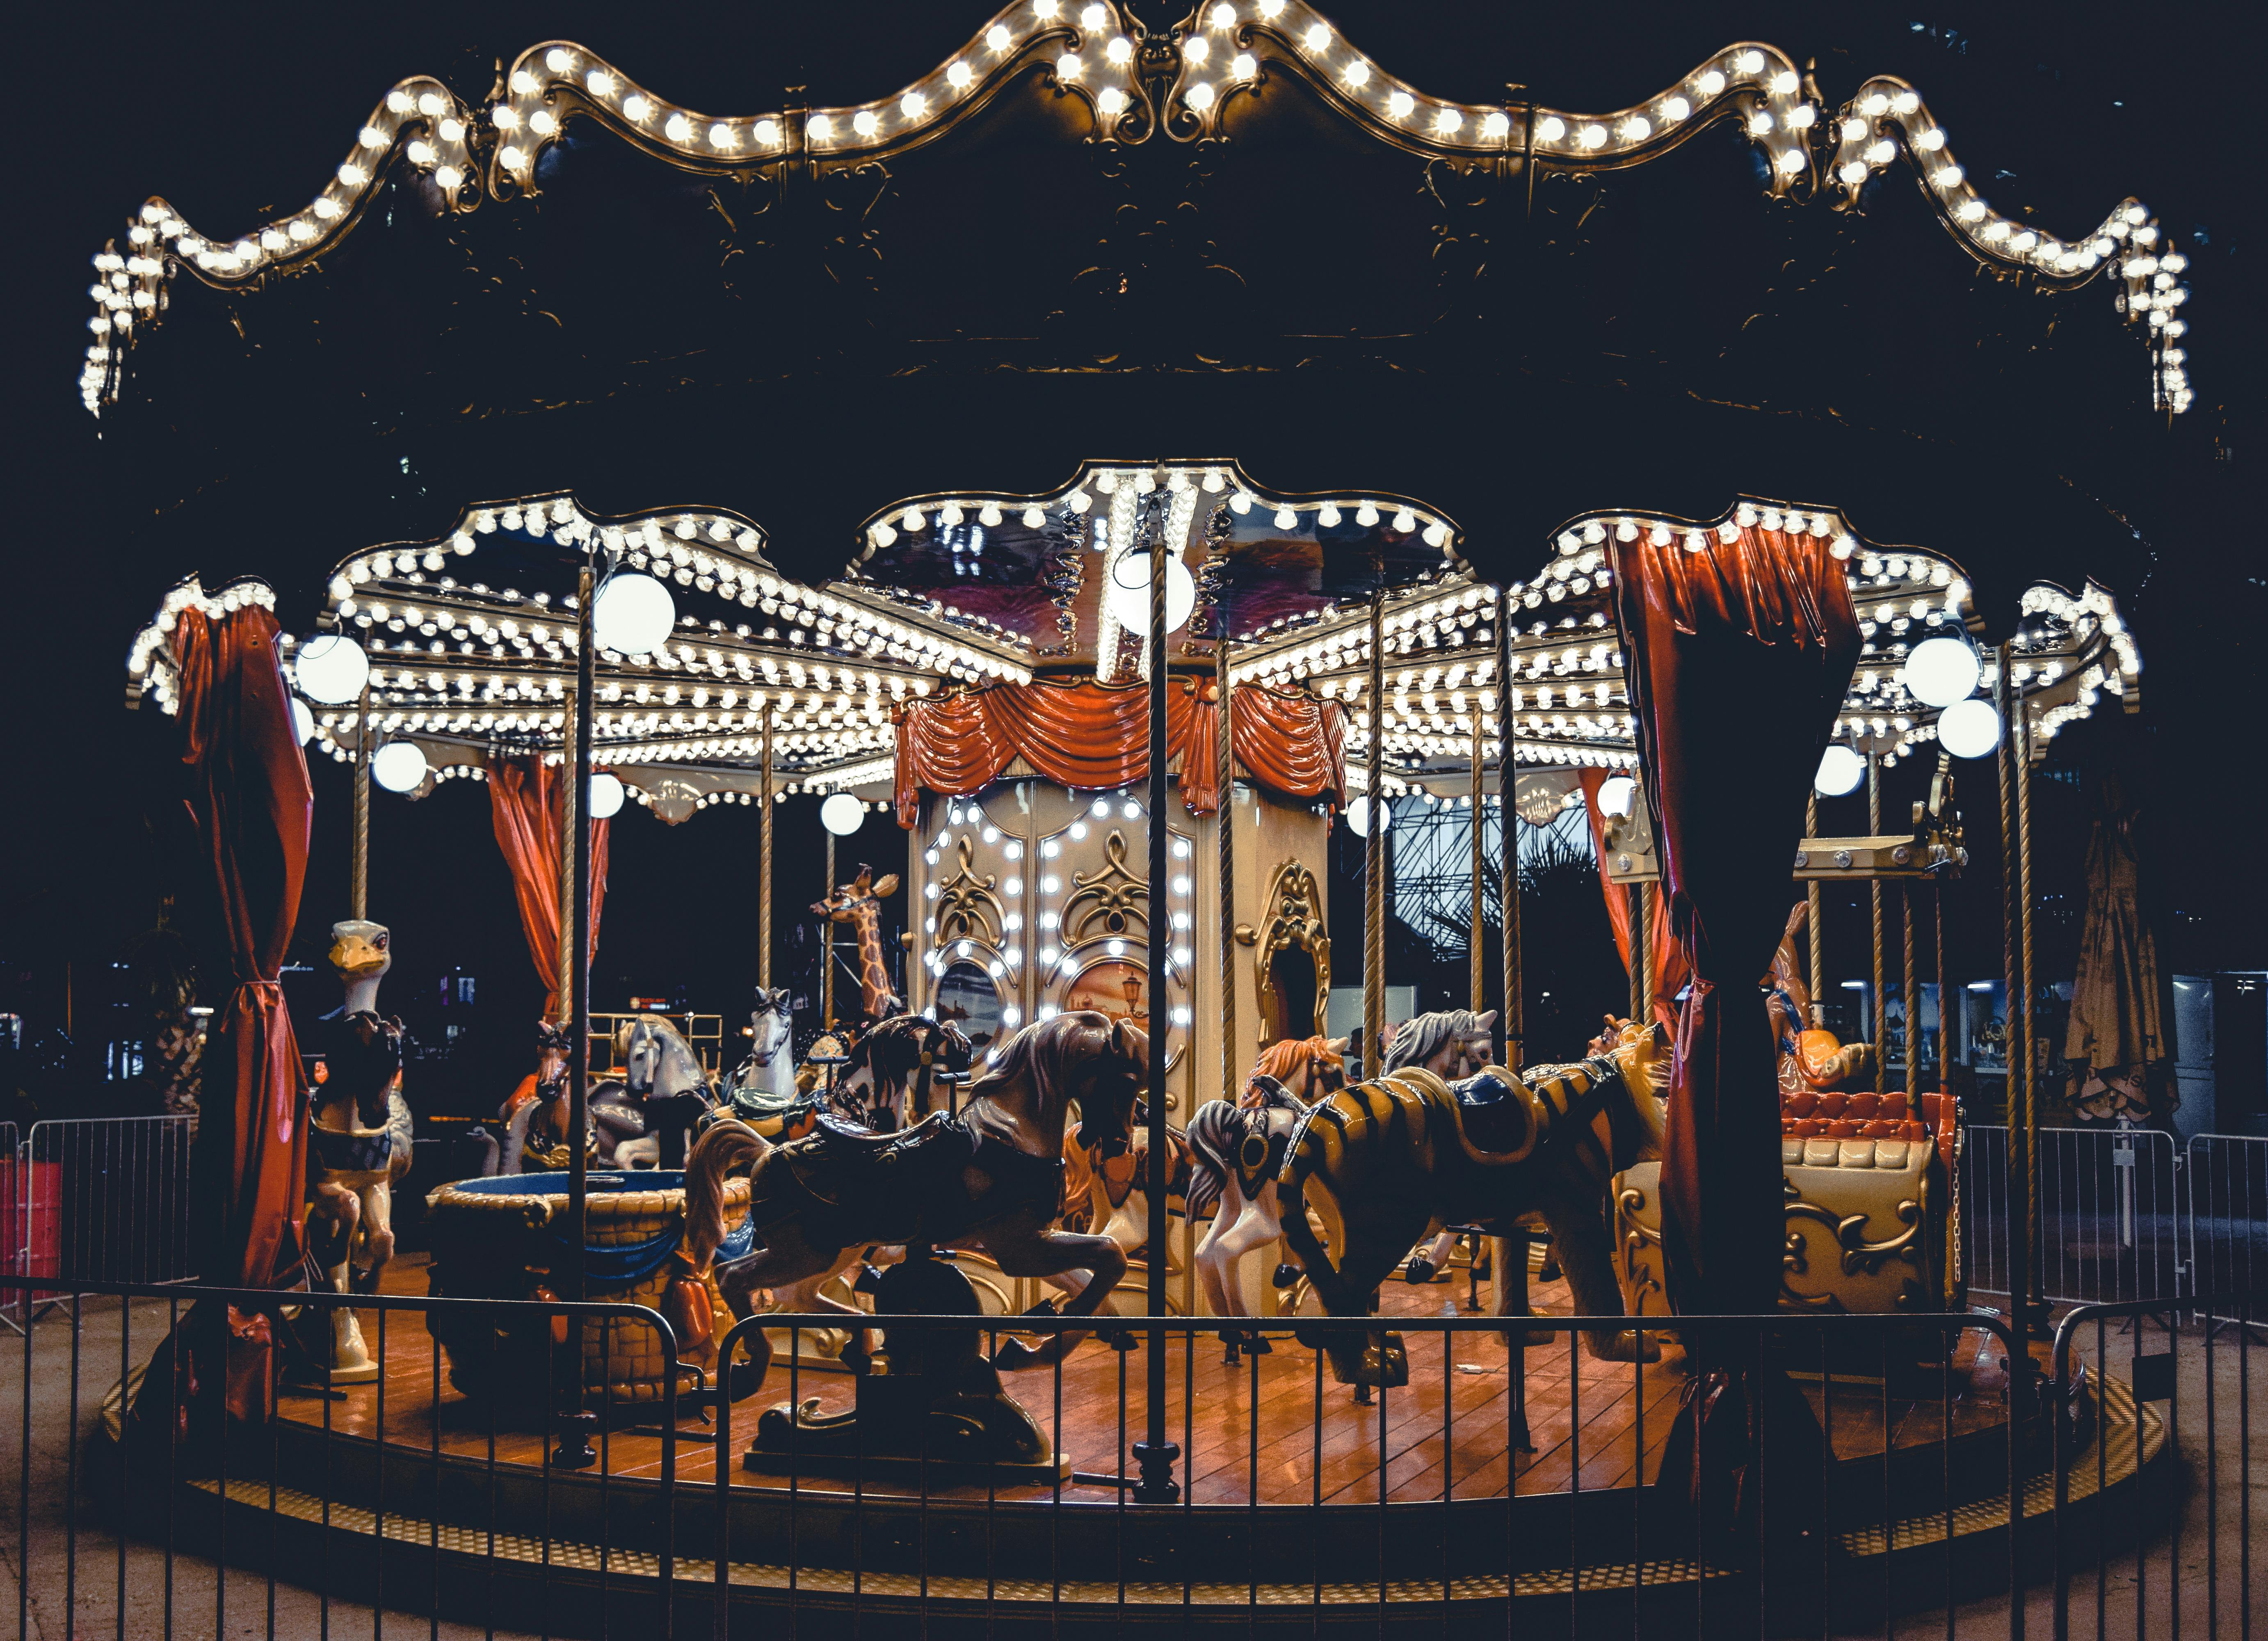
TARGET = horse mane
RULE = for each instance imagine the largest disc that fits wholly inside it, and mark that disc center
(1041, 1051)
(1273, 1095)
(1283, 1059)
(1216, 1128)
(1419, 1040)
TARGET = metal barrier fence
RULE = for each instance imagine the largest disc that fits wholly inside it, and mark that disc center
(1295, 1505)
(2189, 1383)
(2226, 1216)
(2113, 1214)
(102, 1199)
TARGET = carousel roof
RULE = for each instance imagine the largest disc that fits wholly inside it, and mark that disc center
(470, 635)
(1092, 71)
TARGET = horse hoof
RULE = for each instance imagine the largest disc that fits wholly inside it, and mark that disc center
(1550, 1272)
(1014, 1355)
(1284, 1275)
(1386, 1365)
(1419, 1272)
(1629, 1345)
(1257, 1344)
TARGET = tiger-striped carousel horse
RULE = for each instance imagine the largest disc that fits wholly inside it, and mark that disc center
(1450, 1043)
(1385, 1163)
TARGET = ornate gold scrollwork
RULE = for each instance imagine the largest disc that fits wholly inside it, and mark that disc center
(1295, 907)
(965, 904)
(1638, 1280)
(1859, 1257)
(1113, 897)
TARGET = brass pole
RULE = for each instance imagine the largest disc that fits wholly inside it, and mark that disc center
(2034, 1307)
(764, 863)
(1479, 926)
(358, 891)
(827, 943)
(1634, 904)
(1945, 999)
(1154, 1454)
(1955, 1289)
(1881, 1036)
(1507, 782)
(1374, 872)
(1814, 916)
(1910, 990)
(2017, 1184)
(567, 785)
(574, 1451)
(1224, 844)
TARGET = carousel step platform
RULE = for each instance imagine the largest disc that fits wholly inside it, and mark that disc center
(968, 1562)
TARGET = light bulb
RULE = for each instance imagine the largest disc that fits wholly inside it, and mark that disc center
(633, 613)
(1840, 771)
(1618, 795)
(1941, 671)
(399, 766)
(1970, 729)
(1130, 600)
(332, 669)
(842, 814)
(605, 796)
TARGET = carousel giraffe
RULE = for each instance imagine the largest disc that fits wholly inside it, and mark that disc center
(859, 904)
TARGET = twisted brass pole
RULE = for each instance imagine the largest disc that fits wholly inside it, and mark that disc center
(567, 789)
(1478, 949)
(1374, 926)
(827, 943)
(1634, 898)
(2017, 1184)
(1910, 990)
(1814, 916)
(1881, 1034)
(359, 888)
(2035, 1306)
(1225, 843)
(764, 863)
(1955, 1287)
(1508, 778)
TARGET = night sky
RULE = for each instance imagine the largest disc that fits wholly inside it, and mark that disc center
(226, 111)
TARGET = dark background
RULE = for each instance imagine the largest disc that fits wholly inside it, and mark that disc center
(226, 112)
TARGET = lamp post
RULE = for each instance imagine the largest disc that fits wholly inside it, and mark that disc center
(1154, 1454)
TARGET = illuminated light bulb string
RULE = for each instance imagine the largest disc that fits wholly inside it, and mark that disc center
(1091, 51)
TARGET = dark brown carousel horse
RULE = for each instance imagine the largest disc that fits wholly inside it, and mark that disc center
(989, 1180)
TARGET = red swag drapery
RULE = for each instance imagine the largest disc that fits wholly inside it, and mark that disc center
(1739, 658)
(523, 800)
(1088, 735)
(1667, 958)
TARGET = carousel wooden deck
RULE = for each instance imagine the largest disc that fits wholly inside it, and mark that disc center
(1279, 1433)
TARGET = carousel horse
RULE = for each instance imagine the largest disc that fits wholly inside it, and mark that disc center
(359, 1141)
(859, 904)
(640, 1119)
(887, 1082)
(1306, 1067)
(533, 1117)
(989, 1180)
(1236, 1150)
(1450, 1043)
(1387, 1162)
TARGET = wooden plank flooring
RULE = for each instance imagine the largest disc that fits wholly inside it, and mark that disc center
(1277, 1435)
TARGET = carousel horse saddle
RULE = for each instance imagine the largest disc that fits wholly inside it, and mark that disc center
(1494, 1113)
(338, 1152)
(839, 1158)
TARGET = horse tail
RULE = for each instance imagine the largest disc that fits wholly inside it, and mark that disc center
(715, 1154)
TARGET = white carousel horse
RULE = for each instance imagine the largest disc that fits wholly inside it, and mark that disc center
(1235, 1152)
(769, 1069)
(639, 1119)
(988, 1180)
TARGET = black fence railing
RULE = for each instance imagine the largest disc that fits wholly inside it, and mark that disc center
(1949, 1485)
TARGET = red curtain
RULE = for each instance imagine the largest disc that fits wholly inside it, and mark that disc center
(1739, 656)
(249, 810)
(1088, 735)
(1670, 969)
(524, 799)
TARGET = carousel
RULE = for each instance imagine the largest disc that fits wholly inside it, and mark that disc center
(1091, 1100)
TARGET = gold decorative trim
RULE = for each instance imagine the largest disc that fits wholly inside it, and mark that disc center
(1296, 923)
(1107, 896)
(967, 907)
